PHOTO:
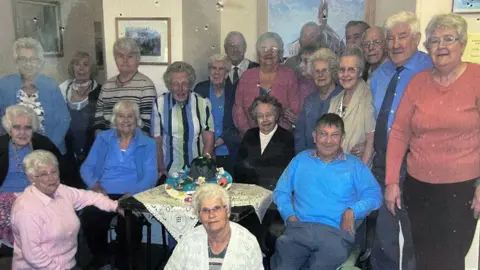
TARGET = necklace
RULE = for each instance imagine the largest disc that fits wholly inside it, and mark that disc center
(76, 86)
(120, 83)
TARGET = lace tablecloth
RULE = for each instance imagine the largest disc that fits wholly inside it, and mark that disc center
(179, 218)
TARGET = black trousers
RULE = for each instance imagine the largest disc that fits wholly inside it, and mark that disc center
(96, 224)
(442, 222)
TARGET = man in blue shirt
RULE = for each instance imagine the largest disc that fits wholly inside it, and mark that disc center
(321, 195)
(388, 85)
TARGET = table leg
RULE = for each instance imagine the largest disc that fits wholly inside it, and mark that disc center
(128, 237)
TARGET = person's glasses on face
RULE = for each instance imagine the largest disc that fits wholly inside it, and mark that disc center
(261, 116)
(234, 47)
(323, 71)
(347, 70)
(375, 43)
(264, 50)
(447, 40)
(24, 60)
(45, 175)
(19, 128)
(183, 85)
(215, 209)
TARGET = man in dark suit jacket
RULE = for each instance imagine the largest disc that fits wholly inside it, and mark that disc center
(235, 47)
(266, 150)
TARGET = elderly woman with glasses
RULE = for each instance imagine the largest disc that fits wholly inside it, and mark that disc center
(81, 92)
(44, 219)
(271, 79)
(323, 68)
(222, 97)
(437, 125)
(218, 243)
(37, 91)
(21, 124)
(354, 105)
(122, 161)
(128, 85)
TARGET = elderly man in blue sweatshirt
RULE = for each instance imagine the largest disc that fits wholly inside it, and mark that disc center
(321, 195)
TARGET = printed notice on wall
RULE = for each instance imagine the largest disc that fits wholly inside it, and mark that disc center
(472, 51)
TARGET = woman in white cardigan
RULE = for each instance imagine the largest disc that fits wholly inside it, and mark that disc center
(354, 105)
(219, 243)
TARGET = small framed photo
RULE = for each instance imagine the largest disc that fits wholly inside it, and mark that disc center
(466, 6)
(40, 20)
(152, 34)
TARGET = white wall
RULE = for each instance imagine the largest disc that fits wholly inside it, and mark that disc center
(141, 8)
(385, 8)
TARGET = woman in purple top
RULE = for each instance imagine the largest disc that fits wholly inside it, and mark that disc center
(270, 78)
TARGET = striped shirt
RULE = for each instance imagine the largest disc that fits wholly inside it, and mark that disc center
(140, 90)
(215, 261)
(181, 128)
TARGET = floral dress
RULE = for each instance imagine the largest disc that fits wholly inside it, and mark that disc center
(32, 101)
(6, 203)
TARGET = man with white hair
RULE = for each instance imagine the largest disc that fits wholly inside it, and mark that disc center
(388, 85)
(373, 45)
(235, 47)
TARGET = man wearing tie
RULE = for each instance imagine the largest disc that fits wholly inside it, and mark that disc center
(235, 47)
(388, 84)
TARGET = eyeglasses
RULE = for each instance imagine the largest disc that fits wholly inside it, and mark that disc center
(375, 43)
(322, 71)
(446, 40)
(215, 210)
(22, 128)
(234, 46)
(350, 70)
(44, 175)
(23, 60)
(264, 50)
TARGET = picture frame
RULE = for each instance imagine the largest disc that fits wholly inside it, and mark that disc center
(40, 20)
(152, 34)
(466, 6)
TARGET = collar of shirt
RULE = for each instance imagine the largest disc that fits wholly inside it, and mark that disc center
(172, 102)
(270, 134)
(42, 197)
(340, 156)
(241, 68)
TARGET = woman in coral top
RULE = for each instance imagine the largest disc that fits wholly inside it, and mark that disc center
(438, 122)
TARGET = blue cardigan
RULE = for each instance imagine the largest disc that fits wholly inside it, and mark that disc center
(145, 161)
(230, 133)
(57, 117)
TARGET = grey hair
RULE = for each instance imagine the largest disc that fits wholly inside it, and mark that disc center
(235, 33)
(126, 106)
(305, 26)
(403, 17)
(266, 99)
(37, 159)
(18, 110)
(449, 20)
(274, 36)
(220, 58)
(354, 50)
(326, 55)
(28, 43)
(210, 192)
(179, 66)
(128, 44)
(362, 24)
(381, 30)
(76, 58)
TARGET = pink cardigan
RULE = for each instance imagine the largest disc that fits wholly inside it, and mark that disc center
(284, 89)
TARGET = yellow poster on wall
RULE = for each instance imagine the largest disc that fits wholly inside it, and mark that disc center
(472, 51)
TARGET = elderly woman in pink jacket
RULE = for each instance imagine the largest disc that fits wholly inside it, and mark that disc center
(270, 78)
(44, 223)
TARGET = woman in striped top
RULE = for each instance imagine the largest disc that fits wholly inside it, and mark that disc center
(128, 85)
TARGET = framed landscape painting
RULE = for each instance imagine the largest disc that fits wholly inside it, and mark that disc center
(466, 6)
(153, 36)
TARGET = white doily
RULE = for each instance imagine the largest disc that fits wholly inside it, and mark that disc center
(179, 218)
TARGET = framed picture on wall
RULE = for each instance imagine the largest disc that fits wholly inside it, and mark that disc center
(153, 36)
(40, 20)
(466, 6)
